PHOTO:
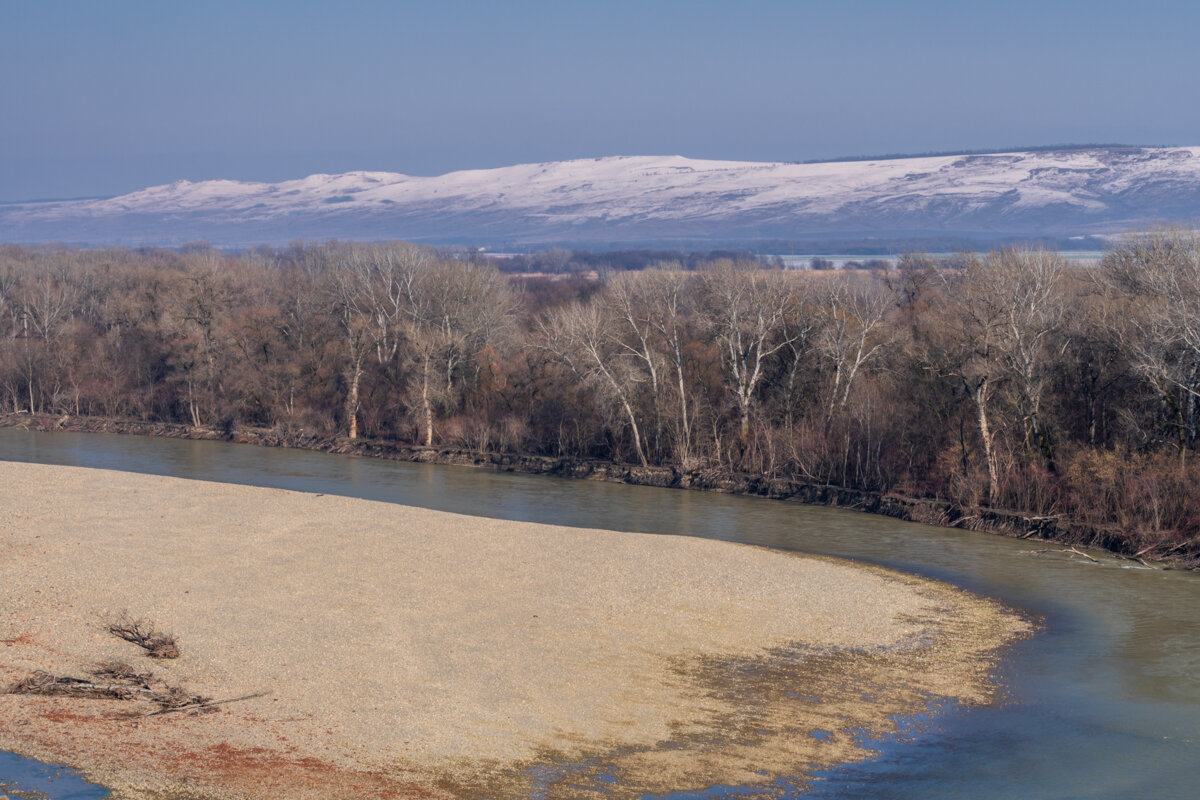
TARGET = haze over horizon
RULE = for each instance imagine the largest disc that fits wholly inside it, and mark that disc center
(109, 98)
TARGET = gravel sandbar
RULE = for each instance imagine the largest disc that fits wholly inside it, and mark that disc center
(403, 652)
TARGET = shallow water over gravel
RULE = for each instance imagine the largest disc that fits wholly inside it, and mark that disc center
(1103, 703)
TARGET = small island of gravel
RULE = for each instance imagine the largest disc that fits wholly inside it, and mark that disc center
(334, 647)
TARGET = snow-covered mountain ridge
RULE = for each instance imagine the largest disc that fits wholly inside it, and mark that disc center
(653, 199)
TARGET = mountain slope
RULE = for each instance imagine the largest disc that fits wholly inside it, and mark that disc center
(653, 199)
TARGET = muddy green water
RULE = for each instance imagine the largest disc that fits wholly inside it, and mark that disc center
(1103, 703)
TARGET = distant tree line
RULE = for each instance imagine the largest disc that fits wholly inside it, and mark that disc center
(867, 253)
(560, 261)
(889, 245)
(1009, 380)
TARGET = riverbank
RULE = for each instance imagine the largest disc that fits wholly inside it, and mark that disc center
(374, 650)
(1006, 522)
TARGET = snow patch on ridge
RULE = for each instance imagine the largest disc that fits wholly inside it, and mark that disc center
(652, 196)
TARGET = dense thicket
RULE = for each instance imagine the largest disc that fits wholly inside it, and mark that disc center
(1008, 380)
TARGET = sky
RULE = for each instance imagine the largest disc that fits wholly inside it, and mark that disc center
(102, 98)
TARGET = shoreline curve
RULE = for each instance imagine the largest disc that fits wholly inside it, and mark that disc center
(403, 652)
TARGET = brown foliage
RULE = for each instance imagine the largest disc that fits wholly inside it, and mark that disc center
(1153, 499)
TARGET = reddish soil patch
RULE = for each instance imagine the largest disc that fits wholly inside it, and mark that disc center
(65, 716)
(24, 638)
(265, 772)
(157, 754)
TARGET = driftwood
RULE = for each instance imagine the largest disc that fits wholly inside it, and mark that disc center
(200, 707)
(142, 633)
(117, 680)
(1073, 550)
(113, 681)
(43, 683)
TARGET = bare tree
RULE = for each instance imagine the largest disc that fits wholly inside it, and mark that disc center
(853, 331)
(664, 291)
(347, 291)
(802, 323)
(45, 299)
(1159, 271)
(635, 335)
(963, 340)
(453, 309)
(746, 309)
(577, 336)
(994, 331)
(1031, 282)
(386, 276)
(10, 281)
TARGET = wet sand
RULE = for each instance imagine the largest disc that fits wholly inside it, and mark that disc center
(402, 652)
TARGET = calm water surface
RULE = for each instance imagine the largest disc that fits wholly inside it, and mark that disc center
(1103, 703)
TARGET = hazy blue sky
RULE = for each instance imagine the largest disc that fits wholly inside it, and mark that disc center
(105, 97)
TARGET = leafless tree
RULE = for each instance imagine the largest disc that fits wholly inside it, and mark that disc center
(578, 336)
(1030, 283)
(853, 331)
(994, 331)
(385, 277)
(963, 340)
(1159, 271)
(746, 310)
(635, 335)
(453, 309)
(665, 294)
(198, 310)
(347, 292)
(45, 297)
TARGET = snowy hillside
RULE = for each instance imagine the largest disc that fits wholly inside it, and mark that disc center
(648, 199)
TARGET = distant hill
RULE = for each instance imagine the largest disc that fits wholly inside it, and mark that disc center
(1041, 148)
(649, 200)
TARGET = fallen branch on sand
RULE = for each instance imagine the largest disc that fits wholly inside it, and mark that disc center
(111, 681)
(207, 704)
(142, 633)
(43, 683)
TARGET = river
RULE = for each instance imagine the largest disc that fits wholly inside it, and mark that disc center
(1104, 702)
